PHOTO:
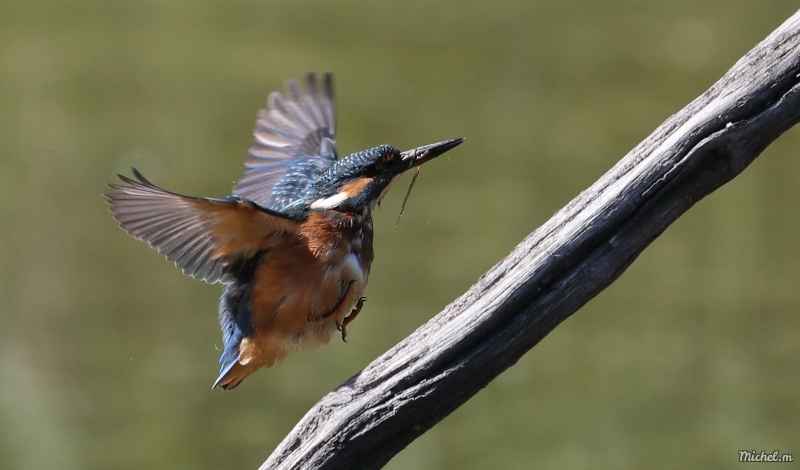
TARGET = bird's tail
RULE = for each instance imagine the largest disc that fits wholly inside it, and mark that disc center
(231, 376)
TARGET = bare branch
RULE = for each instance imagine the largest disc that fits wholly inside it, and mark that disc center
(556, 269)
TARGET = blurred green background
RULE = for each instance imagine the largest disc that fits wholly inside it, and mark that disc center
(108, 353)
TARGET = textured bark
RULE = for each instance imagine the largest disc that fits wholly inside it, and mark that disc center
(556, 269)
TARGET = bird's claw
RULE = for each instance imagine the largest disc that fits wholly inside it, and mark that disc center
(350, 318)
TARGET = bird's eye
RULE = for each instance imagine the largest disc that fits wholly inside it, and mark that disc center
(373, 170)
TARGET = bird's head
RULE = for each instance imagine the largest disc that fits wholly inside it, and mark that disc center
(359, 181)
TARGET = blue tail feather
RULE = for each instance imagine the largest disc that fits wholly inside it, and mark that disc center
(234, 318)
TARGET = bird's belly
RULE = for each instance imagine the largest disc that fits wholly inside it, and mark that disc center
(293, 291)
(342, 286)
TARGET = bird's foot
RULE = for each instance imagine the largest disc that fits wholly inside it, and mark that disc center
(351, 317)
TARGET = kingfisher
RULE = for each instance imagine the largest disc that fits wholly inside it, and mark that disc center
(292, 244)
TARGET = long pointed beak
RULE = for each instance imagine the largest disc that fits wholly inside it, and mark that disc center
(420, 155)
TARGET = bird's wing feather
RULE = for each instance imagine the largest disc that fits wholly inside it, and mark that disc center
(202, 236)
(294, 141)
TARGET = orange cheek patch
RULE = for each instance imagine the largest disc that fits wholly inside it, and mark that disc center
(354, 187)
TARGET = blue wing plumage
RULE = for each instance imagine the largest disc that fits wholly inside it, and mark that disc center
(294, 143)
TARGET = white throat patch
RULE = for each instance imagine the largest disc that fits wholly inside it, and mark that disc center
(329, 202)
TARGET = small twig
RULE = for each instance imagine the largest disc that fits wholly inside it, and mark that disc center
(408, 193)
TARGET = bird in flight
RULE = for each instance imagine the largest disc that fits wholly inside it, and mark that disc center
(293, 243)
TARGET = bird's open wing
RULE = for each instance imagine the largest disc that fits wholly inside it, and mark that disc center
(293, 144)
(204, 237)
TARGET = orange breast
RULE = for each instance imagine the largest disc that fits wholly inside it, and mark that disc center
(300, 279)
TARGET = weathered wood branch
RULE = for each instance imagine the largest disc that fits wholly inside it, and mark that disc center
(556, 269)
